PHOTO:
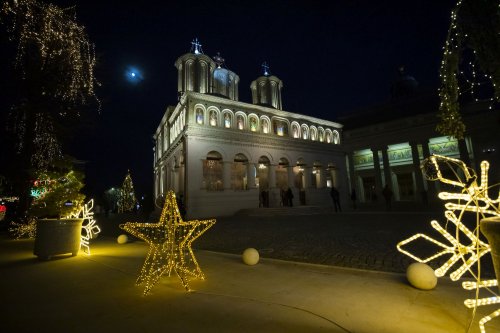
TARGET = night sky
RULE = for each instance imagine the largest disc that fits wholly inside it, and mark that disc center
(333, 57)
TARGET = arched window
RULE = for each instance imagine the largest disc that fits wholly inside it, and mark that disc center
(336, 137)
(295, 130)
(313, 133)
(240, 122)
(212, 172)
(213, 118)
(316, 175)
(282, 174)
(321, 134)
(264, 125)
(227, 120)
(305, 132)
(199, 116)
(328, 136)
(253, 123)
(262, 179)
(239, 180)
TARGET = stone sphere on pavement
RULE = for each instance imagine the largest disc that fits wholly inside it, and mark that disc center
(251, 256)
(122, 239)
(421, 276)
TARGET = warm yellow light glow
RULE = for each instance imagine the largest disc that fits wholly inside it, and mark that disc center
(169, 245)
(466, 246)
(89, 227)
(21, 230)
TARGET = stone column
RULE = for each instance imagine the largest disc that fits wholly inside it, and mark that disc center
(464, 153)
(226, 175)
(251, 175)
(352, 174)
(420, 195)
(387, 167)
(431, 186)
(306, 177)
(272, 176)
(291, 180)
(376, 168)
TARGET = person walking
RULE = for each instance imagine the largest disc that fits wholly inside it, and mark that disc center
(334, 193)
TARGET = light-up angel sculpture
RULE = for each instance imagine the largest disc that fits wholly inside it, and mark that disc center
(465, 246)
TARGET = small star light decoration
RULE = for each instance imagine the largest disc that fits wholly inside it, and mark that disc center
(169, 245)
(465, 246)
(89, 227)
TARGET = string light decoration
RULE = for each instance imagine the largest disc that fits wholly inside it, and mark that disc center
(470, 65)
(24, 230)
(55, 65)
(89, 227)
(466, 248)
(127, 199)
(170, 243)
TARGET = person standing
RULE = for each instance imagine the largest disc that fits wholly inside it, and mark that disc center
(289, 196)
(353, 198)
(334, 193)
(387, 193)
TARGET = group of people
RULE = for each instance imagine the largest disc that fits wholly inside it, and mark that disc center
(286, 197)
(334, 193)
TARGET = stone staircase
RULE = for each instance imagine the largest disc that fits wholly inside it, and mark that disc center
(286, 211)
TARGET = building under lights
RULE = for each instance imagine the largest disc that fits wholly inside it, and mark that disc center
(222, 155)
(386, 144)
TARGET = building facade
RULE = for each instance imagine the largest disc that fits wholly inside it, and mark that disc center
(220, 155)
(388, 145)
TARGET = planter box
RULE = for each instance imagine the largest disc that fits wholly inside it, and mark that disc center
(54, 237)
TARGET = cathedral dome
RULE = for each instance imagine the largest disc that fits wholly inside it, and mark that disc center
(225, 82)
(266, 89)
(195, 70)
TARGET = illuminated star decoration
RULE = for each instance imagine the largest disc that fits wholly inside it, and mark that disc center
(169, 245)
(467, 250)
(89, 227)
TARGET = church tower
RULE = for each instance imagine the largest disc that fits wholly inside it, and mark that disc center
(266, 89)
(225, 82)
(195, 71)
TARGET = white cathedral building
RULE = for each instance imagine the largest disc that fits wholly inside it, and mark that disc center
(221, 155)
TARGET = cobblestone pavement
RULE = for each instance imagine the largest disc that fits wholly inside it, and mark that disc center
(355, 239)
(365, 240)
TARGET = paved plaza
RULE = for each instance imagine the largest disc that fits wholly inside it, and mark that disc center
(320, 271)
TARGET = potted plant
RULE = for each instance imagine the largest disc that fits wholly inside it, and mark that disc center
(57, 197)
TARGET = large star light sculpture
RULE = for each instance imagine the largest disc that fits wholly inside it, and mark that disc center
(169, 245)
(466, 248)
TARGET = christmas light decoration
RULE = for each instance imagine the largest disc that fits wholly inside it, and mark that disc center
(89, 227)
(169, 245)
(472, 44)
(127, 199)
(55, 63)
(24, 230)
(467, 251)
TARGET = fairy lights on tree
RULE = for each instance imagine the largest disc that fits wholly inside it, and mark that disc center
(471, 61)
(465, 248)
(54, 77)
(169, 245)
(127, 199)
